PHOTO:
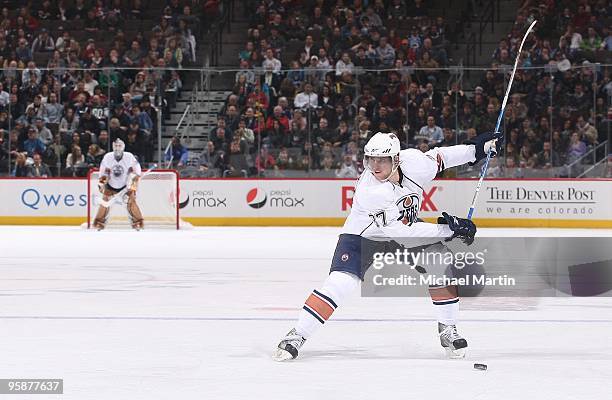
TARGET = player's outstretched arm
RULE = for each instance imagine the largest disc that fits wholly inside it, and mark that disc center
(485, 142)
(471, 152)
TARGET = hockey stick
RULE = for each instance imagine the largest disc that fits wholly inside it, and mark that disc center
(109, 202)
(483, 170)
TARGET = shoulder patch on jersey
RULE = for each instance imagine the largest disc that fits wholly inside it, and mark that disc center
(439, 160)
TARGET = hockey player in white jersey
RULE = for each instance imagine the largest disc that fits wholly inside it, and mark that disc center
(119, 170)
(386, 203)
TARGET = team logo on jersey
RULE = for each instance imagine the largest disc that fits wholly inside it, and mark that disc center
(344, 257)
(256, 198)
(408, 208)
(118, 170)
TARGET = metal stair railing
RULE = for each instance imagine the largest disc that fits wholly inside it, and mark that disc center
(596, 163)
(185, 125)
(579, 161)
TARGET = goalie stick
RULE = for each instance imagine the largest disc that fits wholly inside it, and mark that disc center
(485, 166)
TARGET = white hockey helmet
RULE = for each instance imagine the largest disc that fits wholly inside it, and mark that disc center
(382, 144)
(118, 149)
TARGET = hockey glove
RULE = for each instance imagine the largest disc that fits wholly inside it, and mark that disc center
(485, 142)
(102, 183)
(462, 228)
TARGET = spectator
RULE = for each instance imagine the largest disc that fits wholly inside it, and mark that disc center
(548, 158)
(264, 161)
(69, 123)
(431, 132)
(397, 11)
(306, 98)
(276, 135)
(385, 53)
(103, 141)
(449, 138)
(237, 164)
(138, 88)
(94, 155)
(347, 168)
(88, 123)
(135, 144)
(278, 116)
(270, 63)
(4, 97)
(52, 111)
(232, 117)
(208, 163)
(38, 169)
(89, 83)
(344, 64)
(245, 133)
(177, 154)
(143, 119)
(587, 131)
(44, 133)
(43, 43)
(75, 162)
(33, 144)
(23, 51)
(576, 148)
(20, 169)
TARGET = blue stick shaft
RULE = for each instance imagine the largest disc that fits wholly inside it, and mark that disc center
(483, 171)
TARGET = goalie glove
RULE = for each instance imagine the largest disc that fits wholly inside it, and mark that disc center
(102, 183)
(462, 228)
(133, 179)
(484, 143)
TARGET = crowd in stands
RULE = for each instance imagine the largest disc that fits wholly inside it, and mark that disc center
(561, 110)
(317, 80)
(77, 74)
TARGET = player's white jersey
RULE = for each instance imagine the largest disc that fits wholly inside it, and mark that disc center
(118, 171)
(386, 209)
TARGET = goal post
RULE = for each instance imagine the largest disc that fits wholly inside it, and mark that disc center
(157, 196)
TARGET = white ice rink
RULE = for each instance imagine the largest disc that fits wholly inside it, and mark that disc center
(196, 314)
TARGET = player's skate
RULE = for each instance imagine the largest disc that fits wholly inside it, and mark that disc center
(454, 344)
(288, 347)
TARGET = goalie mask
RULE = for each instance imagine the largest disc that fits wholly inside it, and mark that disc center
(118, 148)
(381, 155)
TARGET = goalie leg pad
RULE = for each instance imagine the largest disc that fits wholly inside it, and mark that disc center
(134, 211)
(101, 216)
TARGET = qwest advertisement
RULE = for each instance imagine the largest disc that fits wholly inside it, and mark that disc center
(543, 203)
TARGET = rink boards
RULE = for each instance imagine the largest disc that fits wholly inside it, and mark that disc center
(578, 203)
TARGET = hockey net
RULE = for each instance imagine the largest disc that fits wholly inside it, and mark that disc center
(157, 196)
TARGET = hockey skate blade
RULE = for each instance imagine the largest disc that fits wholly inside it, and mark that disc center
(281, 355)
(455, 354)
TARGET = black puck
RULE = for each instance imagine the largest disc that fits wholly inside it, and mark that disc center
(482, 367)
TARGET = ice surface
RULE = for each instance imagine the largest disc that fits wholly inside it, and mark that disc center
(196, 314)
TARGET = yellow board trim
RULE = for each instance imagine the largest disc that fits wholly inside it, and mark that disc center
(42, 220)
(322, 221)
